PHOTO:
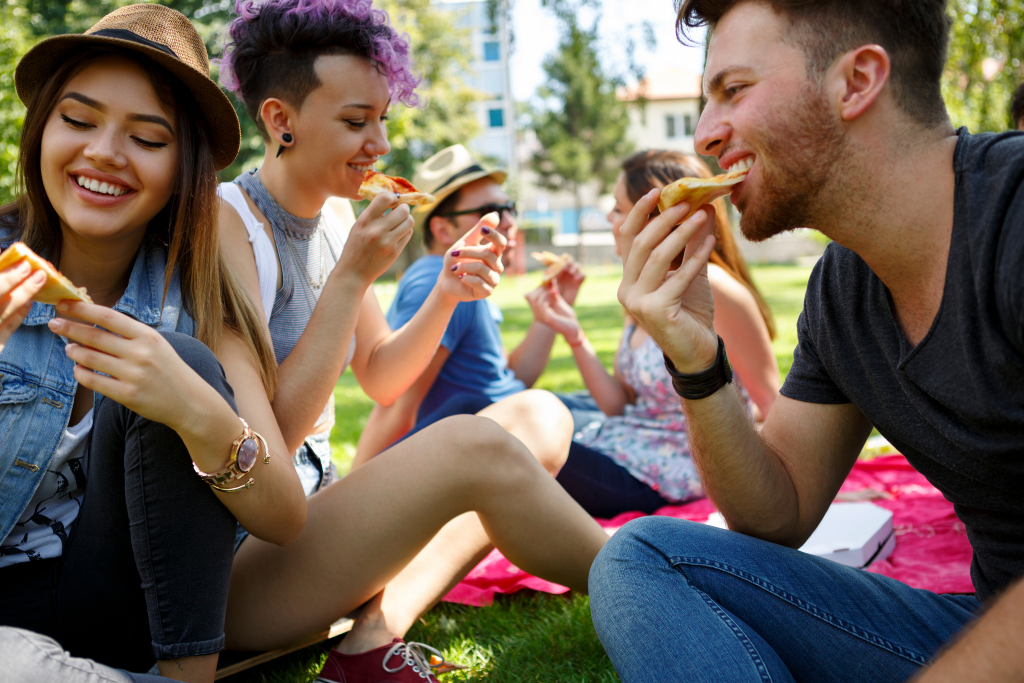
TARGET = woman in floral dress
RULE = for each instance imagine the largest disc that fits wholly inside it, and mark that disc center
(639, 457)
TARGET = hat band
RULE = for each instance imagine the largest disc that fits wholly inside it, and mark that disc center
(125, 34)
(466, 171)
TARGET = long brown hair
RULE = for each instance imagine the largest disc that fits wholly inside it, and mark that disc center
(652, 168)
(186, 226)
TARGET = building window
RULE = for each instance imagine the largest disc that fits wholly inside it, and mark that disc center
(670, 126)
(688, 124)
(497, 117)
(492, 52)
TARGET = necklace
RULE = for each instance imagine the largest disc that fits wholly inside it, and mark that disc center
(301, 226)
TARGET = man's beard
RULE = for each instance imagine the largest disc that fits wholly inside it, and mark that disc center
(801, 152)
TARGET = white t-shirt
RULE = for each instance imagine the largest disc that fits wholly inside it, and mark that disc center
(42, 531)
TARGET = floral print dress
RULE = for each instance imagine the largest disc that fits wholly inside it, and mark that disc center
(649, 439)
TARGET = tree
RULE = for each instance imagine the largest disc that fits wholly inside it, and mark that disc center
(581, 125)
(15, 40)
(443, 54)
(986, 62)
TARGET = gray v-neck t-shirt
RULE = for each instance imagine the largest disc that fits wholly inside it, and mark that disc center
(954, 403)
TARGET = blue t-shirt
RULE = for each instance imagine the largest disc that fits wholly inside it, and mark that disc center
(477, 362)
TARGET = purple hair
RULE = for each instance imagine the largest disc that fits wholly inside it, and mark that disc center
(273, 44)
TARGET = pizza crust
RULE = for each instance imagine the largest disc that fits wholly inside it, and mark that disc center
(699, 191)
(57, 287)
(555, 265)
(375, 182)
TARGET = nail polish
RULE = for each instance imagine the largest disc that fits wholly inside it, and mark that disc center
(485, 230)
(456, 252)
(455, 267)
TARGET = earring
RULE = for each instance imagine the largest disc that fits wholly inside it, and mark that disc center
(287, 137)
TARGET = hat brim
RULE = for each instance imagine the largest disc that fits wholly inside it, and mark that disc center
(421, 212)
(225, 134)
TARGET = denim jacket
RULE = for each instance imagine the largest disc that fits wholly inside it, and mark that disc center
(37, 386)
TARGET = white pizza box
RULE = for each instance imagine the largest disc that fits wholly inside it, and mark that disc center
(854, 534)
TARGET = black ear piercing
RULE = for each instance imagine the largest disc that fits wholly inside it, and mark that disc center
(287, 137)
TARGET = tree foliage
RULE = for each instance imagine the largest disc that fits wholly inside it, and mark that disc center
(581, 124)
(15, 40)
(443, 54)
(986, 62)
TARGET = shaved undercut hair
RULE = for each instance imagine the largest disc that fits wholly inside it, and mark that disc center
(915, 34)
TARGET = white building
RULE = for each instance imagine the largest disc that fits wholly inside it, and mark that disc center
(490, 75)
(669, 116)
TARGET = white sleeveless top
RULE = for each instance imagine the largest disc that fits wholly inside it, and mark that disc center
(266, 260)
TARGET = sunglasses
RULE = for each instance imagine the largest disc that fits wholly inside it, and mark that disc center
(509, 208)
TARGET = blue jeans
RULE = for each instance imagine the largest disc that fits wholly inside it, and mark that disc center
(679, 601)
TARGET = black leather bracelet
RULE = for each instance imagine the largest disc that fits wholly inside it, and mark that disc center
(702, 384)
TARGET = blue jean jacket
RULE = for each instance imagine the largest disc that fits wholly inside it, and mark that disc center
(37, 386)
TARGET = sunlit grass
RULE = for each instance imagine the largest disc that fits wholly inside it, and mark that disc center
(529, 637)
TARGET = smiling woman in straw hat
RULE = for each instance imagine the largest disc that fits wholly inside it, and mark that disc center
(318, 77)
(122, 139)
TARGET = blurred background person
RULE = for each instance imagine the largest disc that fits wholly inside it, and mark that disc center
(639, 458)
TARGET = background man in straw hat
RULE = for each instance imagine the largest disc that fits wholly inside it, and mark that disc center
(471, 369)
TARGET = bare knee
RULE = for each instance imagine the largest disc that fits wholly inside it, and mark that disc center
(540, 421)
(484, 450)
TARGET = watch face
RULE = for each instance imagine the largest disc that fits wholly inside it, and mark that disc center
(247, 453)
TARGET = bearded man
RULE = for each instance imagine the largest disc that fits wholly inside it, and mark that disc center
(913, 323)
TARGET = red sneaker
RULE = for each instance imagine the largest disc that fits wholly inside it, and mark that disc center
(399, 662)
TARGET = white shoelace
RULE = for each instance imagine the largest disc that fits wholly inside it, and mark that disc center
(412, 654)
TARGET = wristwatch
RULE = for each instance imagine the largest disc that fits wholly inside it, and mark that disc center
(245, 452)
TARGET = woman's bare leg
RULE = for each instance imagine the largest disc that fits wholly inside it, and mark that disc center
(362, 531)
(544, 425)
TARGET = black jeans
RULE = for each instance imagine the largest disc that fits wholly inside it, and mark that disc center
(145, 574)
(603, 487)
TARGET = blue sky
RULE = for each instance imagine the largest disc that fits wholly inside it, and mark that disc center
(536, 36)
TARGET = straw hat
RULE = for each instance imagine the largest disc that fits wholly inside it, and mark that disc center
(165, 36)
(444, 173)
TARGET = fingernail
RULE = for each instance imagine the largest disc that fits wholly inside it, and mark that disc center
(485, 230)
(651, 193)
(62, 305)
(54, 323)
(23, 267)
(38, 276)
(455, 267)
(456, 252)
(461, 275)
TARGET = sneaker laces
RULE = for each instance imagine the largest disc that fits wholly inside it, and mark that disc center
(412, 655)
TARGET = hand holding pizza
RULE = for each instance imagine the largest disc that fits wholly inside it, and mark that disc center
(552, 309)
(472, 266)
(375, 240)
(18, 284)
(675, 307)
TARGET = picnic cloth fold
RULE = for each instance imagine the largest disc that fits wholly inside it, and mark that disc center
(932, 551)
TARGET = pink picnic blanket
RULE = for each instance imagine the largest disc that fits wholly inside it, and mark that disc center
(931, 552)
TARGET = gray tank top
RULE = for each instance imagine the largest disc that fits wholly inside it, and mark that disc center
(308, 250)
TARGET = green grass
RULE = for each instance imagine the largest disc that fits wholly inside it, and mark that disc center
(527, 637)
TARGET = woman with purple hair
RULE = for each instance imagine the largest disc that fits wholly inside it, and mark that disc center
(318, 78)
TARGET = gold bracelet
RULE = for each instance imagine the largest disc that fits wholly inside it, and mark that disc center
(237, 488)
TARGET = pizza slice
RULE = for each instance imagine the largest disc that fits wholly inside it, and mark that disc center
(555, 265)
(699, 191)
(375, 182)
(57, 287)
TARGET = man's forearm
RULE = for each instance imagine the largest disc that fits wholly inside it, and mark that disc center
(529, 359)
(990, 650)
(740, 473)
